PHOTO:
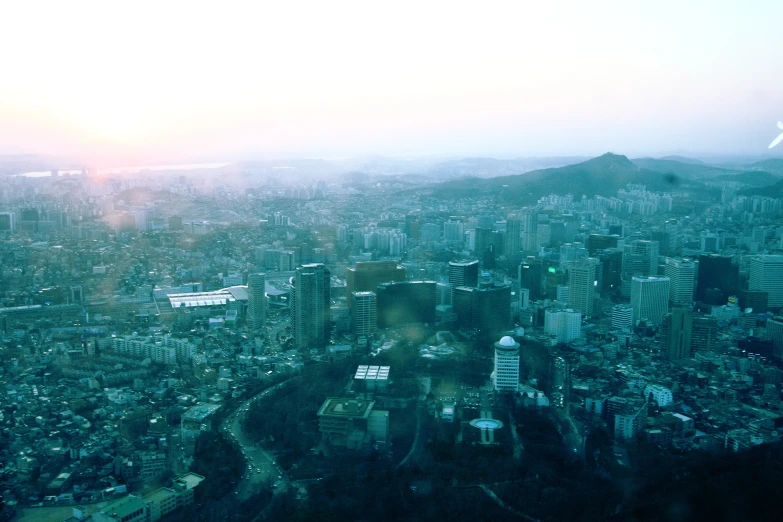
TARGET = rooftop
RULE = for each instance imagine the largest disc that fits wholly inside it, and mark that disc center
(346, 408)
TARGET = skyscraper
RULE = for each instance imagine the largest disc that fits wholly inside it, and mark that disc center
(506, 374)
(486, 309)
(256, 301)
(766, 273)
(682, 273)
(676, 334)
(513, 239)
(367, 275)
(775, 334)
(530, 243)
(718, 278)
(650, 298)
(406, 302)
(704, 332)
(581, 286)
(463, 273)
(640, 258)
(310, 306)
(364, 313)
(530, 275)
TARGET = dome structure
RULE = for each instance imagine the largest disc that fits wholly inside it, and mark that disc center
(507, 342)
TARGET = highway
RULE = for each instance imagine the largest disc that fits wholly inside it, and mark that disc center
(261, 470)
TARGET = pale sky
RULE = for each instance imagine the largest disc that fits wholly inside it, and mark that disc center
(223, 80)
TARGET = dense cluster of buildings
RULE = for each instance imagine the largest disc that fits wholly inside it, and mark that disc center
(125, 324)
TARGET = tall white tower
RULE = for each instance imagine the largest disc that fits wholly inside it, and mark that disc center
(506, 375)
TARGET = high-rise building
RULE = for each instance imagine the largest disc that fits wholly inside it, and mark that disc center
(766, 274)
(565, 325)
(581, 286)
(640, 258)
(775, 334)
(7, 221)
(513, 240)
(486, 309)
(649, 298)
(682, 274)
(506, 374)
(256, 301)
(676, 334)
(406, 302)
(483, 238)
(310, 306)
(454, 230)
(755, 300)
(463, 273)
(367, 275)
(596, 242)
(530, 242)
(718, 278)
(364, 313)
(610, 270)
(704, 332)
(531, 273)
(622, 316)
(648, 249)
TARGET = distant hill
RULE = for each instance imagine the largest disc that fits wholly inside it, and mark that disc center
(492, 167)
(683, 159)
(774, 165)
(603, 175)
(772, 191)
(755, 178)
(681, 169)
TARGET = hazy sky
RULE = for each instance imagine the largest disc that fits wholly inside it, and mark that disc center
(221, 80)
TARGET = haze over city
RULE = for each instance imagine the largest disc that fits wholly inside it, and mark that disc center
(178, 82)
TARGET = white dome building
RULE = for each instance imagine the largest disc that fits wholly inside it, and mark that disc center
(506, 374)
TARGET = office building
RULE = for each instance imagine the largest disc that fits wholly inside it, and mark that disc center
(454, 230)
(775, 334)
(513, 239)
(565, 325)
(256, 301)
(530, 274)
(506, 373)
(464, 273)
(530, 238)
(622, 316)
(640, 258)
(405, 302)
(7, 221)
(704, 334)
(581, 286)
(676, 333)
(367, 275)
(766, 274)
(757, 301)
(609, 271)
(486, 309)
(649, 298)
(364, 314)
(596, 242)
(682, 274)
(718, 278)
(310, 306)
